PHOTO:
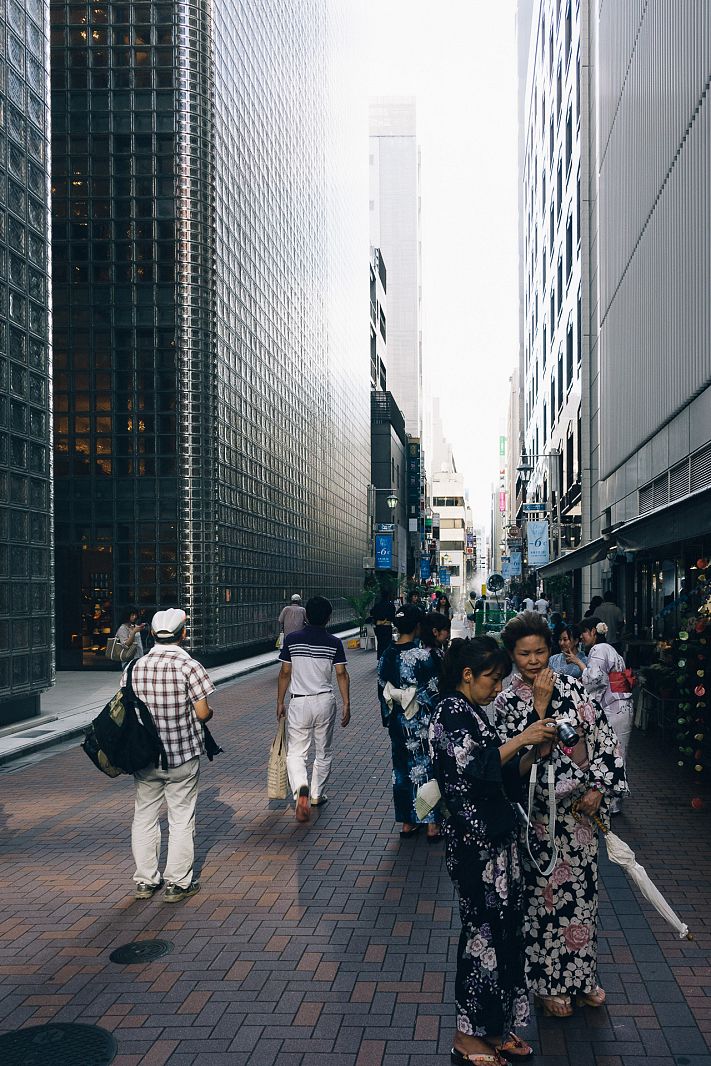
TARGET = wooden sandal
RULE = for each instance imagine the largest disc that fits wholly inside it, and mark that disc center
(555, 1006)
(458, 1058)
(596, 998)
(515, 1049)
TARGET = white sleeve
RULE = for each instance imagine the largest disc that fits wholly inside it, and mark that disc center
(594, 675)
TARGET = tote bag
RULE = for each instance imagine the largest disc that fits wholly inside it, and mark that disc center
(277, 779)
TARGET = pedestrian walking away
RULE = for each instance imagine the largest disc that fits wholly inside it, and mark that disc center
(291, 619)
(308, 659)
(609, 613)
(175, 688)
(582, 774)
(541, 605)
(480, 780)
(382, 616)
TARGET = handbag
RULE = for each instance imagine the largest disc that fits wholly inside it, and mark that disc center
(117, 742)
(117, 652)
(277, 777)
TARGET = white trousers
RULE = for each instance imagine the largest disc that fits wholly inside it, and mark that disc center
(310, 718)
(179, 788)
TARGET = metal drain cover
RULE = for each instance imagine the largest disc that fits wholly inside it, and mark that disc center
(59, 1043)
(141, 951)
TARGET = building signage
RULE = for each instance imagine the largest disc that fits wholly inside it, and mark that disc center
(534, 508)
(502, 502)
(505, 567)
(502, 445)
(471, 540)
(383, 551)
(515, 564)
(425, 570)
(385, 527)
(537, 535)
(444, 578)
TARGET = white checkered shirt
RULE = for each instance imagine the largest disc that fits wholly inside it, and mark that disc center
(169, 682)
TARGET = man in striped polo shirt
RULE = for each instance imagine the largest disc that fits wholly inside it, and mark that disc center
(308, 659)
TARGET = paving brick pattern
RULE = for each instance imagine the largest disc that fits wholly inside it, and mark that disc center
(331, 943)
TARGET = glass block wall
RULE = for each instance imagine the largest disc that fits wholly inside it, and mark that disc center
(26, 607)
(211, 371)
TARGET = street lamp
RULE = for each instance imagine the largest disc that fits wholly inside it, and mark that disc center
(392, 501)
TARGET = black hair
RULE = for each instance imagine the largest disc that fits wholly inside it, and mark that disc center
(591, 622)
(126, 613)
(433, 620)
(318, 611)
(442, 596)
(481, 654)
(594, 604)
(609, 597)
(528, 624)
(571, 630)
(407, 618)
(413, 592)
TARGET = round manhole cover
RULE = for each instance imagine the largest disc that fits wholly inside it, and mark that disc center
(58, 1043)
(141, 951)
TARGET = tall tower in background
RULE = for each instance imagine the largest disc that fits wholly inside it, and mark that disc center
(395, 229)
(26, 607)
(212, 387)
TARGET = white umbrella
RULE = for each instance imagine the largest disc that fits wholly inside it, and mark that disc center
(621, 853)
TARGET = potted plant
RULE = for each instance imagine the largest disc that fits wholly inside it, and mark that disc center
(361, 604)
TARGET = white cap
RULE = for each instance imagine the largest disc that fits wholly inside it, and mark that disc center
(168, 624)
(296, 598)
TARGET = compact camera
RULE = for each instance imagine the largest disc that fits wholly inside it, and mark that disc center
(567, 734)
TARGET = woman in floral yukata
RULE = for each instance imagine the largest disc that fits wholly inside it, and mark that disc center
(561, 912)
(477, 774)
(407, 671)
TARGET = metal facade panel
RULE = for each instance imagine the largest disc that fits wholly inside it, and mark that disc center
(655, 139)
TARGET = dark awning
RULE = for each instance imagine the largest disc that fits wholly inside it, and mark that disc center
(688, 519)
(583, 556)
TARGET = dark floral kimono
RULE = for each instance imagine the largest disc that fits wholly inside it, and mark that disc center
(561, 910)
(483, 860)
(404, 665)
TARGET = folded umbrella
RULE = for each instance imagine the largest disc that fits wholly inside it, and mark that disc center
(622, 855)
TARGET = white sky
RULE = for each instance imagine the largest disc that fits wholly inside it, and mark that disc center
(458, 57)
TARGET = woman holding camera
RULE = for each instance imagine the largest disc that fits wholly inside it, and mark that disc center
(560, 861)
(479, 778)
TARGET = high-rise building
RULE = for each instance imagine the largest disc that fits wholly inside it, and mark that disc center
(448, 502)
(395, 230)
(211, 385)
(26, 604)
(554, 260)
(378, 322)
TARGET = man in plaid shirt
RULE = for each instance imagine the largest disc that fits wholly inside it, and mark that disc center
(175, 688)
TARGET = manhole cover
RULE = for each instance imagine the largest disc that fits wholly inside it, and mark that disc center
(58, 1043)
(141, 951)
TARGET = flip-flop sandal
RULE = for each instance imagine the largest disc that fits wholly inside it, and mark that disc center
(563, 1006)
(515, 1049)
(405, 834)
(596, 998)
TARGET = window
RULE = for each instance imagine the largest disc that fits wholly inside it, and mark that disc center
(545, 423)
(544, 270)
(552, 312)
(568, 32)
(569, 247)
(559, 190)
(559, 91)
(545, 331)
(560, 285)
(577, 207)
(569, 453)
(551, 143)
(569, 354)
(552, 227)
(552, 401)
(580, 330)
(560, 381)
(577, 89)
(568, 140)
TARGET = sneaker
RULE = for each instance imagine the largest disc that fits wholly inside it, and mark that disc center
(146, 891)
(303, 809)
(318, 801)
(174, 893)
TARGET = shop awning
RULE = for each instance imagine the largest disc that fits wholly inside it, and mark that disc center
(688, 519)
(583, 556)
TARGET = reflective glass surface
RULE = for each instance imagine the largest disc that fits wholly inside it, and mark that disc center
(26, 618)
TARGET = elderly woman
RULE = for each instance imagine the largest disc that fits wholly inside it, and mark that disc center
(560, 856)
(606, 678)
(408, 689)
(479, 777)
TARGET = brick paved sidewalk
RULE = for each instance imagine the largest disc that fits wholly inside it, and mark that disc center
(333, 943)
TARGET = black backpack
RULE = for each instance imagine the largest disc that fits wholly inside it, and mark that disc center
(116, 741)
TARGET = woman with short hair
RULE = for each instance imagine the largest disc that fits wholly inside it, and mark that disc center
(560, 857)
(479, 778)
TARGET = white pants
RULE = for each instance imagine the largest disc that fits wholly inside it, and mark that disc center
(310, 718)
(179, 788)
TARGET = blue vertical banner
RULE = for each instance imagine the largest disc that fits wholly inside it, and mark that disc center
(425, 570)
(505, 567)
(383, 551)
(444, 578)
(515, 564)
(537, 536)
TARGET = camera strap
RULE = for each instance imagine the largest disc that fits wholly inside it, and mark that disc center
(551, 817)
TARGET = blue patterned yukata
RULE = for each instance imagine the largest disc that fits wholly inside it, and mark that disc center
(404, 665)
(483, 860)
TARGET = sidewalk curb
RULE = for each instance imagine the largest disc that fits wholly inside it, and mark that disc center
(78, 731)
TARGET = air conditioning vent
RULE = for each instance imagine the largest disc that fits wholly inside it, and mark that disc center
(679, 481)
(661, 491)
(701, 469)
(646, 499)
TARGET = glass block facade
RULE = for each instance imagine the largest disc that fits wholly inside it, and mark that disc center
(26, 604)
(211, 387)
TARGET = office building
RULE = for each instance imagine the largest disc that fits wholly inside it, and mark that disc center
(211, 386)
(554, 259)
(26, 603)
(448, 502)
(395, 230)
